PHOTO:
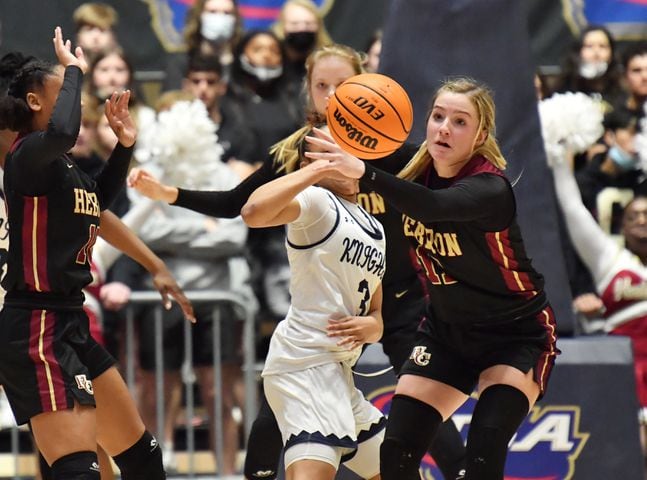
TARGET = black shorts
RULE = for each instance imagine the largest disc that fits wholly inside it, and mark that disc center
(403, 308)
(173, 322)
(457, 354)
(48, 360)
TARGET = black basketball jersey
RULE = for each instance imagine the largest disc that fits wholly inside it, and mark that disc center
(477, 274)
(51, 236)
(54, 207)
(465, 235)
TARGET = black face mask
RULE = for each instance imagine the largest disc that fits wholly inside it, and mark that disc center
(302, 42)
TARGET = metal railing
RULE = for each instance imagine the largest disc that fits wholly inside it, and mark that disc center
(218, 299)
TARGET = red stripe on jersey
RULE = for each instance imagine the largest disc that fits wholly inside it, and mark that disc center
(51, 386)
(34, 243)
(547, 359)
(504, 256)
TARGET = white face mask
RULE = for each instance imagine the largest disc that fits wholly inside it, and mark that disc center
(263, 74)
(217, 26)
(593, 69)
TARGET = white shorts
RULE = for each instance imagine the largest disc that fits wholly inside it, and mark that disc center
(321, 405)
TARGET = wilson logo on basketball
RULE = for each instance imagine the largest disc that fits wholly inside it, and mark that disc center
(353, 133)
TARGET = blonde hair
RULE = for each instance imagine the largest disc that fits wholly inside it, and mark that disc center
(95, 14)
(481, 98)
(322, 38)
(286, 151)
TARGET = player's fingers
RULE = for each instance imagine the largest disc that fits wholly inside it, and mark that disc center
(184, 303)
(323, 134)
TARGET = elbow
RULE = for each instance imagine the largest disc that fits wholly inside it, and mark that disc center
(251, 215)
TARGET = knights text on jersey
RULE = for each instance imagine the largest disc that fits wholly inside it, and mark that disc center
(337, 261)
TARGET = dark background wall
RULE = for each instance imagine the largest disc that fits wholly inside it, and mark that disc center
(146, 30)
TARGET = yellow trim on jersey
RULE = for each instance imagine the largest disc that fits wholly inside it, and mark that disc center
(34, 244)
(506, 264)
(41, 354)
(552, 345)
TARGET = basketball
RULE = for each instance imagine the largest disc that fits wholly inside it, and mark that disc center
(370, 115)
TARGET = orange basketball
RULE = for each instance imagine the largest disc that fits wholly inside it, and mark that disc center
(370, 115)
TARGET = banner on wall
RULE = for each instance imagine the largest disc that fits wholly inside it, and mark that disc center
(625, 19)
(169, 17)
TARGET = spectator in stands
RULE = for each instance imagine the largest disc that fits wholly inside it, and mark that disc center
(612, 176)
(205, 80)
(271, 108)
(373, 51)
(95, 23)
(213, 27)
(591, 66)
(634, 63)
(301, 27)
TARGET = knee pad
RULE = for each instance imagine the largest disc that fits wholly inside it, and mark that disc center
(77, 465)
(142, 461)
(448, 450)
(264, 446)
(409, 430)
(497, 416)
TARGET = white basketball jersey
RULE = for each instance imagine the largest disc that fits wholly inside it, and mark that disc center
(337, 261)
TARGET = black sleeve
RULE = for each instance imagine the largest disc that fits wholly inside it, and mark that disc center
(226, 204)
(39, 149)
(485, 198)
(396, 161)
(112, 178)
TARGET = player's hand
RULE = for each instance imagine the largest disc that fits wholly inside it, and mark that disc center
(343, 162)
(355, 331)
(119, 118)
(151, 187)
(63, 49)
(168, 288)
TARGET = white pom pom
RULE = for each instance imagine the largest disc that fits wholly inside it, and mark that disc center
(184, 144)
(571, 120)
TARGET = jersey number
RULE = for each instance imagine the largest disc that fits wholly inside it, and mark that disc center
(363, 288)
(431, 270)
(85, 254)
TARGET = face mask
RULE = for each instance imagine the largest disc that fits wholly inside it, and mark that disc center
(624, 160)
(217, 26)
(302, 42)
(592, 70)
(263, 74)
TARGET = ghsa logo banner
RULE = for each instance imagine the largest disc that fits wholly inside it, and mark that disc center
(546, 446)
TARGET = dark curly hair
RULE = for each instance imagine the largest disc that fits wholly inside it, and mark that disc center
(18, 75)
